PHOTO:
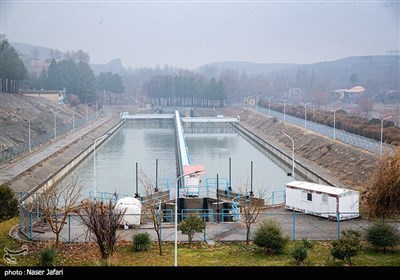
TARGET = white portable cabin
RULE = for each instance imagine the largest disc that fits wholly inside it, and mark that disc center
(321, 200)
(133, 210)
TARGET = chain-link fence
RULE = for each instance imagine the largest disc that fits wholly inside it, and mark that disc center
(344, 136)
(12, 152)
(222, 226)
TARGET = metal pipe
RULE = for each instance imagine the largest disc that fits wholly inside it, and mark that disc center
(251, 178)
(156, 188)
(230, 174)
(217, 195)
(382, 120)
(292, 153)
(137, 182)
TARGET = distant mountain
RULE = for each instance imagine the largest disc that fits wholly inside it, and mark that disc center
(43, 53)
(115, 66)
(248, 67)
(368, 68)
(364, 66)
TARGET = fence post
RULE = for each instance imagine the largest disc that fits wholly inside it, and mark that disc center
(69, 228)
(294, 225)
(30, 225)
(273, 197)
(248, 237)
(338, 225)
(20, 213)
(160, 221)
(205, 234)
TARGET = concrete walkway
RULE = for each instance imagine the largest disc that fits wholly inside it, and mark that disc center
(11, 169)
(294, 225)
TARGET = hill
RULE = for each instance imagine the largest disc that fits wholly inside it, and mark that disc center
(378, 69)
(114, 66)
(29, 52)
(248, 67)
(41, 53)
(17, 109)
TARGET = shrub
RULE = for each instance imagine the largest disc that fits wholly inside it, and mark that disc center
(47, 257)
(382, 235)
(141, 241)
(347, 247)
(307, 243)
(269, 235)
(73, 100)
(299, 254)
(191, 225)
(8, 205)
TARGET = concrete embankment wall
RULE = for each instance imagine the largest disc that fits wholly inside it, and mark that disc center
(286, 159)
(341, 164)
(61, 172)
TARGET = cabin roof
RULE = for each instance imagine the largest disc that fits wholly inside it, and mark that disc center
(318, 187)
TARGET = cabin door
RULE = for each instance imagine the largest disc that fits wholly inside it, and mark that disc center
(324, 204)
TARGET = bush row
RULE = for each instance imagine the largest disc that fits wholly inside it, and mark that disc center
(357, 125)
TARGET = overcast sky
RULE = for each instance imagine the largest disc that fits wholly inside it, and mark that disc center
(189, 34)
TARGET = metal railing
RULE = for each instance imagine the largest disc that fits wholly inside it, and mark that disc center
(217, 226)
(344, 136)
(44, 138)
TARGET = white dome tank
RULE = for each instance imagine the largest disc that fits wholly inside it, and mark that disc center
(133, 210)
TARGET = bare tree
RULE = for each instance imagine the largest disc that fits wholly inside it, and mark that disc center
(250, 209)
(382, 195)
(153, 204)
(366, 106)
(102, 220)
(57, 202)
(320, 98)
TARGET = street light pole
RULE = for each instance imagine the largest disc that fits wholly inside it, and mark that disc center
(305, 114)
(94, 163)
(55, 124)
(382, 120)
(87, 113)
(176, 214)
(292, 153)
(269, 106)
(29, 133)
(334, 122)
(284, 109)
(73, 118)
(257, 103)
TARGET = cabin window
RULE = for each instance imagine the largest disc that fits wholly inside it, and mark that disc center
(307, 196)
(325, 197)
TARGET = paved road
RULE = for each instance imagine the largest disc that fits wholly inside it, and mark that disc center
(17, 166)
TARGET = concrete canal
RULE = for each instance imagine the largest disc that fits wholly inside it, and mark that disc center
(144, 141)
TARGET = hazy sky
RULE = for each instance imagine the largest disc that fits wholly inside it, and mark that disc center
(192, 33)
